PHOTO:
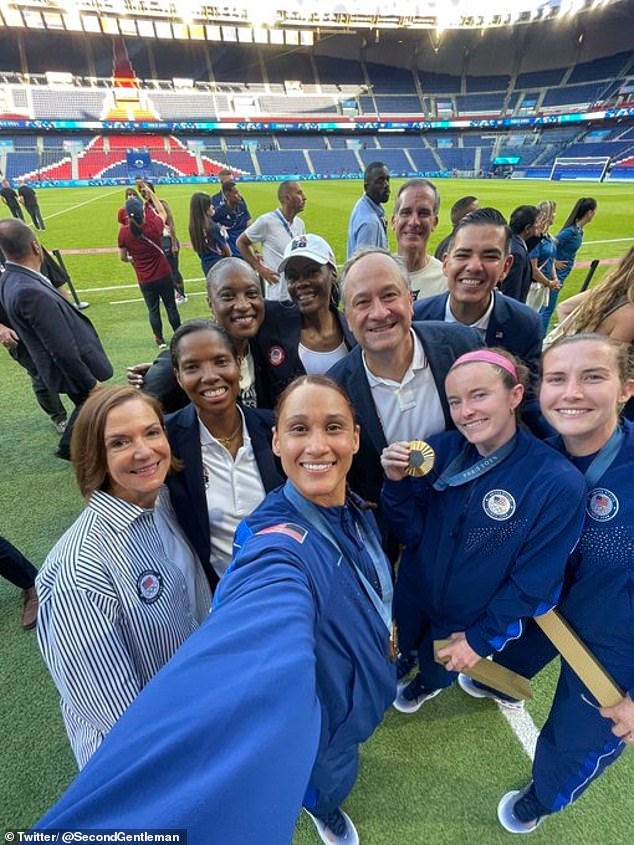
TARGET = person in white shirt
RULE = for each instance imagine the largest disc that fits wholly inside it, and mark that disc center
(225, 447)
(122, 589)
(274, 230)
(415, 217)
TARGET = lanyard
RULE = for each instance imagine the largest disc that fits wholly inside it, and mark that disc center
(284, 222)
(455, 475)
(383, 605)
(604, 458)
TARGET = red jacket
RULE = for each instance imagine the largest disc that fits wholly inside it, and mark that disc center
(149, 261)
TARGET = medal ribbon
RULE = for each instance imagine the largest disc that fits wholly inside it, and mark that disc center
(457, 474)
(604, 458)
(284, 221)
(382, 603)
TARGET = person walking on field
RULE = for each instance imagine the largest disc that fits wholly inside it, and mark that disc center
(28, 198)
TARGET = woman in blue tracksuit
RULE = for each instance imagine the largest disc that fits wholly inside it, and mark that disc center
(486, 536)
(568, 243)
(264, 711)
(586, 379)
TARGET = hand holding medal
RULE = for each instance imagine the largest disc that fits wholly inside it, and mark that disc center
(414, 458)
(421, 458)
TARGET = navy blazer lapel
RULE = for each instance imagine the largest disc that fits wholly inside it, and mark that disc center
(440, 355)
(186, 440)
(259, 428)
(358, 389)
(500, 315)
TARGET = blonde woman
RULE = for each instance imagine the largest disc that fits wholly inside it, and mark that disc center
(542, 259)
(606, 309)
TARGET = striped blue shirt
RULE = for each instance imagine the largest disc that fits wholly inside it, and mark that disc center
(113, 610)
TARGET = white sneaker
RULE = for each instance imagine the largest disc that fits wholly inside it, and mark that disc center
(346, 832)
(476, 690)
(411, 696)
(507, 817)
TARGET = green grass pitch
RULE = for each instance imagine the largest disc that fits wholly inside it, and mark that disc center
(434, 777)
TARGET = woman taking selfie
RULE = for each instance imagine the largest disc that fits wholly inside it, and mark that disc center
(285, 679)
(487, 534)
(122, 589)
(140, 244)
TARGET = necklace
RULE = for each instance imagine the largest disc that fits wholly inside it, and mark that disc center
(226, 441)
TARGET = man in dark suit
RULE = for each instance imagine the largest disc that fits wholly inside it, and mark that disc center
(477, 260)
(10, 198)
(61, 341)
(395, 377)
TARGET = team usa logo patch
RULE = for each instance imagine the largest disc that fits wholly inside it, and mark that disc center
(602, 504)
(299, 243)
(289, 529)
(276, 356)
(499, 504)
(149, 586)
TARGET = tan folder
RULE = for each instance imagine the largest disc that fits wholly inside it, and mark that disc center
(580, 659)
(572, 649)
(493, 675)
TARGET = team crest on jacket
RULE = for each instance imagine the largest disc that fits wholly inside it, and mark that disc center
(498, 504)
(149, 586)
(276, 356)
(602, 504)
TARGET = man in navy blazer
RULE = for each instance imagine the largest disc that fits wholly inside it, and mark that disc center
(477, 260)
(187, 486)
(395, 377)
(61, 341)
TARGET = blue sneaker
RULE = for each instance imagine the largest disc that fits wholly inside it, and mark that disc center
(520, 811)
(335, 828)
(477, 690)
(411, 697)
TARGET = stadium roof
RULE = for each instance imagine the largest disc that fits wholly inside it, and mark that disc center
(341, 15)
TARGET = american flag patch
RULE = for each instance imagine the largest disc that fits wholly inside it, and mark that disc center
(290, 529)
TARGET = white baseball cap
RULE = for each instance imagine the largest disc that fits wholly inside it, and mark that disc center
(309, 246)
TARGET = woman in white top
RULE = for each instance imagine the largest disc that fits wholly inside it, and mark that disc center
(228, 465)
(122, 589)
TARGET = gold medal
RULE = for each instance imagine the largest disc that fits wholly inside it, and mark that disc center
(421, 458)
(393, 646)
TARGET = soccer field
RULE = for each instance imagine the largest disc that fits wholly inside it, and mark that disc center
(434, 777)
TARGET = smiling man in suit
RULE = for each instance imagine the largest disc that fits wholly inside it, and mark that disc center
(61, 341)
(395, 377)
(478, 258)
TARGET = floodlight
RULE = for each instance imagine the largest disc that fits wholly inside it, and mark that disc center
(146, 29)
(90, 23)
(110, 26)
(32, 19)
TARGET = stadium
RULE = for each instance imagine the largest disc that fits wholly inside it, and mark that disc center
(513, 102)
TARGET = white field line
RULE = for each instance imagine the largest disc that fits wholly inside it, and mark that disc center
(607, 241)
(135, 285)
(138, 298)
(523, 727)
(80, 204)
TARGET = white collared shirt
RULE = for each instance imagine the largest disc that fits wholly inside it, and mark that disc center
(481, 325)
(410, 409)
(233, 489)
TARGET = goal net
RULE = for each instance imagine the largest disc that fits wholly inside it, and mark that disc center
(589, 168)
